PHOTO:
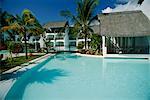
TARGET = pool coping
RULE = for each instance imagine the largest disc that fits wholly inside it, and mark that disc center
(6, 85)
(87, 55)
(134, 56)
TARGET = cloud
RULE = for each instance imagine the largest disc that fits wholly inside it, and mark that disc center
(107, 10)
(125, 1)
(145, 8)
(131, 5)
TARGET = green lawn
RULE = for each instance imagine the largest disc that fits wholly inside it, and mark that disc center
(6, 64)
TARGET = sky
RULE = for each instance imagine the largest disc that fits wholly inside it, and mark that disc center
(49, 10)
(130, 5)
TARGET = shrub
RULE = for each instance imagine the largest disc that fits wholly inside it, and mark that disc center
(96, 41)
(87, 52)
(30, 54)
(80, 45)
(3, 46)
(18, 48)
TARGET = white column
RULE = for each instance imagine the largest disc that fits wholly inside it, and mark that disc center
(77, 41)
(55, 40)
(66, 39)
(35, 45)
(104, 48)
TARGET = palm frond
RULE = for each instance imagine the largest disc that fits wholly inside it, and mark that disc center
(65, 13)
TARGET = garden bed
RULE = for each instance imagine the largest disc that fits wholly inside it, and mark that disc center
(90, 52)
(17, 61)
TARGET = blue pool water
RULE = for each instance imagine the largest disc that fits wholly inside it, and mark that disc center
(72, 77)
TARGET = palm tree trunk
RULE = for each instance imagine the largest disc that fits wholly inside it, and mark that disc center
(26, 52)
(11, 58)
(85, 41)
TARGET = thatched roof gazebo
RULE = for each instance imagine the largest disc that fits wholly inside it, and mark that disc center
(122, 24)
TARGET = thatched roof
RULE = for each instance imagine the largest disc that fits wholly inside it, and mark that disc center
(55, 24)
(123, 24)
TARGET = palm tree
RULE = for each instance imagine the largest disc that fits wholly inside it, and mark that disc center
(6, 20)
(84, 17)
(27, 23)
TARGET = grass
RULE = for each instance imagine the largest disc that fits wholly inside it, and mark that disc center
(17, 61)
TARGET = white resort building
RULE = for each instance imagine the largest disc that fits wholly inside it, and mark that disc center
(58, 36)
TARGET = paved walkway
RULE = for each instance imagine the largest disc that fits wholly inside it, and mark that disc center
(19, 54)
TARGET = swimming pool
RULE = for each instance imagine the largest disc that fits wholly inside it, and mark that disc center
(67, 76)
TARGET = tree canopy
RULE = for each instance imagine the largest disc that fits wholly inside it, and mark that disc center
(85, 16)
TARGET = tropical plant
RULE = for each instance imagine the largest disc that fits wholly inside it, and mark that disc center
(47, 44)
(18, 48)
(95, 41)
(26, 24)
(140, 2)
(80, 45)
(6, 20)
(84, 17)
(10, 48)
(72, 33)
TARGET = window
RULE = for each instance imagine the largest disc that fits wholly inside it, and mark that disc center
(51, 37)
(59, 37)
(72, 44)
(51, 44)
(59, 43)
